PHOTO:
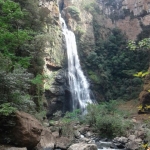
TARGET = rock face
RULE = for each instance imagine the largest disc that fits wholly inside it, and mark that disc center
(144, 96)
(21, 130)
(54, 57)
(83, 146)
(132, 17)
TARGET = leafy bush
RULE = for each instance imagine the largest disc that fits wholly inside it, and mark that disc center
(6, 109)
(74, 12)
(107, 119)
(68, 121)
(14, 88)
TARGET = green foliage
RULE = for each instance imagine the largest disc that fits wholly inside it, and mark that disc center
(38, 79)
(6, 109)
(72, 116)
(141, 74)
(12, 36)
(91, 6)
(143, 44)
(79, 31)
(21, 49)
(74, 11)
(40, 115)
(110, 66)
(14, 88)
(67, 122)
(107, 119)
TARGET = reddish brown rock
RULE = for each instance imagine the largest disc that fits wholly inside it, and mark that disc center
(21, 130)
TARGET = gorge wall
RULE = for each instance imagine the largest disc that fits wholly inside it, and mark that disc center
(132, 17)
(87, 20)
(54, 57)
(92, 23)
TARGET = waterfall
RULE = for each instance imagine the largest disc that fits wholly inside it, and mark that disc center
(79, 87)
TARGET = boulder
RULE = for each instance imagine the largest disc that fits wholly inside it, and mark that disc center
(21, 130)
(123, 140)
(132, 137)
(132, 145)
(63, 142)
(14, 148)
(47, 140)
(83, 146)
(3, 147)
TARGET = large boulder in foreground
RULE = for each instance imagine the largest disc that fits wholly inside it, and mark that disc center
(3, 147)
(21, 130)
(83, 146)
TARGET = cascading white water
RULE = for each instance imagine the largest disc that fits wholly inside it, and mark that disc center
(79, 87)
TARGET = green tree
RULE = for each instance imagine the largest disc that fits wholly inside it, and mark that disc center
(12, 35)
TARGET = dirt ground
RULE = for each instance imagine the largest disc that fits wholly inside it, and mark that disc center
(131, 107)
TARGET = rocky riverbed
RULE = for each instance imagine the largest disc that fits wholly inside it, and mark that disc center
(29, 133)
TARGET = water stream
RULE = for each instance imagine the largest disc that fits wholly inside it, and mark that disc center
(79, 86)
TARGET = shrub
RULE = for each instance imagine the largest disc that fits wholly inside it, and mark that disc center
(74, 12)
(68, 121)
(107, 120)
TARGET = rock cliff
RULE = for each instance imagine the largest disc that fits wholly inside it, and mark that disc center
(54, 57)
(90, 25)
(132, 17)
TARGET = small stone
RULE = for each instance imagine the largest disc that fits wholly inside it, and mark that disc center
(77, 134)
(88, 134)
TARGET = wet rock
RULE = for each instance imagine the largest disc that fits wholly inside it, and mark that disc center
(60, 78)
(57, 90)
(83, 146)
(105, 144)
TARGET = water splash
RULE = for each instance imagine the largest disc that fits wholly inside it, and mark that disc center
(79, 87)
